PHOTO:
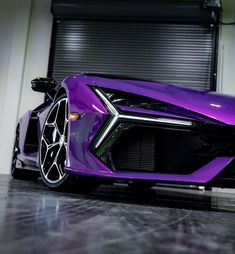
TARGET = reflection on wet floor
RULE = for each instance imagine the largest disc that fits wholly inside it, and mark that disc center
(114, 219)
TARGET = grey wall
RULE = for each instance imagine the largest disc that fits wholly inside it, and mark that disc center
(226, 66)
(25, 30)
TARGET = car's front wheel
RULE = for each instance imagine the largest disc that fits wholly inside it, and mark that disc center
(53, 151)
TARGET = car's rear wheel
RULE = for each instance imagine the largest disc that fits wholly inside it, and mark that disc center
(53, 151)
(17, 172)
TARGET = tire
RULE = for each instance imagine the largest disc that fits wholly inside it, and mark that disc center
(53, 152)
(20, 173)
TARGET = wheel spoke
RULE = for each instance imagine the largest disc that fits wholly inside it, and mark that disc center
(60, 118)
(57, 155)
(50, 124)
(45, 156)
(52, 145)
(44, 140)
(65, 127)
(66, 113)
(49, 170)
(60, 171)
(58, 130)
(52, 115)
(50, 155)
(57, 111)
(65, 145)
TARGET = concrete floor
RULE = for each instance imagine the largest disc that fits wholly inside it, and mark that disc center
(113, 220)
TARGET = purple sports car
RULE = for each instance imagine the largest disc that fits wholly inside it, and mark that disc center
(96, 127)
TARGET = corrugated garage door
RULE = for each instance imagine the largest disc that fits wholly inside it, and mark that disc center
(166, 52)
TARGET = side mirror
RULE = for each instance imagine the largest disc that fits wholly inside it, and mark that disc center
(43, 85)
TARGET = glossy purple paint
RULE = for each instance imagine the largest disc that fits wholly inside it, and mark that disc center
(203, 175)
(84, 101)
(210, 104)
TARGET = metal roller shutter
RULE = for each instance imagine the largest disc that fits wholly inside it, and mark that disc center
(166, 52)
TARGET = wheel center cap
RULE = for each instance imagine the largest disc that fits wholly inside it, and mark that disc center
(62, 140)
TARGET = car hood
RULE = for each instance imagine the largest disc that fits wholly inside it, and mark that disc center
(216, 106)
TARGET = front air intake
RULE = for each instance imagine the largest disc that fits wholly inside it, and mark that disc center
(135, 150)
(144, 149)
